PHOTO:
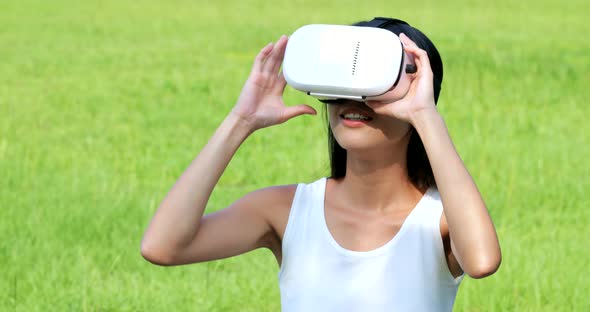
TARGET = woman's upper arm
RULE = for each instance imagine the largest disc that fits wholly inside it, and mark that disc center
(243, 226)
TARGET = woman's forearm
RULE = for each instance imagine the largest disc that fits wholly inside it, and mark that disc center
(260, 105)
(474, 240)
(176, 221)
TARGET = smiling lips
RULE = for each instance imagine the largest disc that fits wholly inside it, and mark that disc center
(354, 117)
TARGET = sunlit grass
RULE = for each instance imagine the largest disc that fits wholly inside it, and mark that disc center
(104, 104)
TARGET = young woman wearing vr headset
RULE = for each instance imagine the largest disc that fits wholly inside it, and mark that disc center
(396, 225)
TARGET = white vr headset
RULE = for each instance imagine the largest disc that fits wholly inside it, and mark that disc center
(345, 62)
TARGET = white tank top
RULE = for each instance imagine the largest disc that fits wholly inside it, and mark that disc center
(408, 273)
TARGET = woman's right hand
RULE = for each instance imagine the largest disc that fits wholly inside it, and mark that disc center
(261, 101)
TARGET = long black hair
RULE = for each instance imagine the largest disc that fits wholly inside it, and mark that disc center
(418, 166)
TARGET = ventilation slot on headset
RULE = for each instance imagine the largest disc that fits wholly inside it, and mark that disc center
(356, 55)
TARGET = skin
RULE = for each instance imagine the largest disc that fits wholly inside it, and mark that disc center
(364, 210)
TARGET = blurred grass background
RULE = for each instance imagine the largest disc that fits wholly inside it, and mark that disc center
(103, 104)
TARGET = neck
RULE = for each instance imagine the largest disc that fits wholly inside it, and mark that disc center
(378, 183)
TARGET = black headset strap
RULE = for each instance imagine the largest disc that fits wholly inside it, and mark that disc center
(382, 22)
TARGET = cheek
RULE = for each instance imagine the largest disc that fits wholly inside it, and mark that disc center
(403, 86)
(397, 93)
(394, 129)
(331, 110)
(331, 116)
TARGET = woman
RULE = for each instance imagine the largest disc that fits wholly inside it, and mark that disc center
(395, 227)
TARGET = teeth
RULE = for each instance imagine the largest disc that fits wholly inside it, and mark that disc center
(356, 117)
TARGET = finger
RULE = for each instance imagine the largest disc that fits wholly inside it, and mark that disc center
(406, 40)
(281, 83)
(281, 48)
(421, 61)
(416, 51)
(274, 57)
(423, 65)
(420, 56)
(297, 110)
(261, 57)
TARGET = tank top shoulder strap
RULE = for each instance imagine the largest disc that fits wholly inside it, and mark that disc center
(429, 209)
(299, 223)
(305, 198)
(430, 215)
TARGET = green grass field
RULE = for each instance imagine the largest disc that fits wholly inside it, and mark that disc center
(103, 104)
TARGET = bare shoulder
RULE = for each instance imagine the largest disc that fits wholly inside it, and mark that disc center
(248, 224)
(273, 204)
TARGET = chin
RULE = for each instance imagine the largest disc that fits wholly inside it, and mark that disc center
(357, 127)
(360, 139)
(368, 142)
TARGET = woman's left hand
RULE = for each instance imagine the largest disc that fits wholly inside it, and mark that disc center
(420, 96)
